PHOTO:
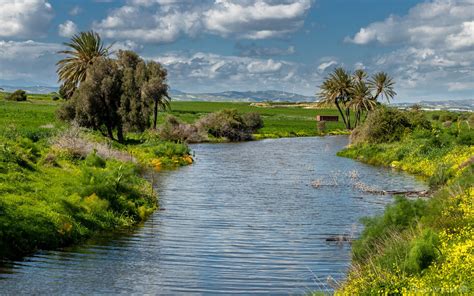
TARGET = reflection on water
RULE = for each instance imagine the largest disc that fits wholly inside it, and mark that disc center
(246, 218)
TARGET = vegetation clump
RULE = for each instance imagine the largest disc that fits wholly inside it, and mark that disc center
(231, 125)
(18, 96)
(228, 124)
(385, 125)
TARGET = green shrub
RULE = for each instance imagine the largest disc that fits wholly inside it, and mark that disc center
(448, 116)
(385, 125)
(440, 176)
(382, 125)
(176, 131)
(95, 160)
(253, 121)
(423, 251)
(167, 149)
(18, 95)
(418, 120)
(466, 137)
(231, 125)
(398, 216)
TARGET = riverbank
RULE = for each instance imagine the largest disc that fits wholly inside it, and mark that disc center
(60, 185)
(420, 246)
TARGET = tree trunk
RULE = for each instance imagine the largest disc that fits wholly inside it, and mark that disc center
(342, 114)
(110, 132)
(348, 117)
(155, 113)
(120, 133)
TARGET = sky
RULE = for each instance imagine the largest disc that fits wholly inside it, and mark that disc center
(289, 45)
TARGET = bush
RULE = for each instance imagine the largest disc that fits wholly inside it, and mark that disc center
(440, 176)
(170, 150)
(253, 121)
(223, 124)
(176, 131)
(466, 137)
(422, 252)
(418, 120)
(382, 125)
(231, 125)
(385, 125)
(448, 116)
(18, 96)
(94, 160)
(398, 216)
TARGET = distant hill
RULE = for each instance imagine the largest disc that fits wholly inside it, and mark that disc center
(242, 96)
(234, 96)
(30, 89)
(453, 105)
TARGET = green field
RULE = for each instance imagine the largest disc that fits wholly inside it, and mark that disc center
(287, 120)
(279, 121)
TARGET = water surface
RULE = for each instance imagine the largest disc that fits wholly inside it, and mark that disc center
(243, 219)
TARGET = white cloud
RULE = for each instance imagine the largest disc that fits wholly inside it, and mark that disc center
(256, 19)
(267, 66)
(29, 61)
(440, 23)
(459, 86)
(135, 23)
(24, 18)
(75, 10)
(67, 29)
(435, 48)
(212, 72)
(323, 66)
(126, 45)
(164, 21)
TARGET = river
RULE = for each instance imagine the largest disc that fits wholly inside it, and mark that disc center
(246, 218)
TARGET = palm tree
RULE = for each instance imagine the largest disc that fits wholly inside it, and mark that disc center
(85, 47)
(360, 75)
(362, 100)
(156, 90)
(382, 85)
(336, 89)
(355, 92)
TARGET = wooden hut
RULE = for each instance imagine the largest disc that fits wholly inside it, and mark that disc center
(327, 118)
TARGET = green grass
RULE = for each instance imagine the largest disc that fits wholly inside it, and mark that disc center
(51, 197)
(279, 121)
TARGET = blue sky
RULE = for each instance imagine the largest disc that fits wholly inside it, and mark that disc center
(217, 45)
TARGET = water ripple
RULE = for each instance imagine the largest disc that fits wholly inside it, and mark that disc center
(244, 219)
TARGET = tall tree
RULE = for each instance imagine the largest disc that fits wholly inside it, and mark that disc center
(96, 102)
(84, 48)
(134, 109)
(361, 100)
(156, 89)
(336, 90)
(382, 84)
(355, 92)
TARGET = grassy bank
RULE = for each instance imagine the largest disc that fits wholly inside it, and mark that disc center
(60, 184)
(420, 246)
